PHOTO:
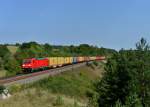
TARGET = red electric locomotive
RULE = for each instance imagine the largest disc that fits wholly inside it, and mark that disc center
(34, 63)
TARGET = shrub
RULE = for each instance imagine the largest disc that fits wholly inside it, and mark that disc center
(1, 63)
(1, 89)
(13, 67)
(3, 51)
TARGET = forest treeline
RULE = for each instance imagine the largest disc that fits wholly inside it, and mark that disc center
(126, 80)
(11, 62)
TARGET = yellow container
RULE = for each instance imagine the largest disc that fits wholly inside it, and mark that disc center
(71, 60)
(92, 58)
(52, 61)
(67, 60)
(60, 61)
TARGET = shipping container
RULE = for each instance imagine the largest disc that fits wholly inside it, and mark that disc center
(80, 59)
(52, 61)
(67, 60)
(92, 58)
(100, 57)
(71, 60)
(60, 61)
(86, 58)
(75, 60)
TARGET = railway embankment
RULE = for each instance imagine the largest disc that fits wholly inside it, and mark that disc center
(66, 89)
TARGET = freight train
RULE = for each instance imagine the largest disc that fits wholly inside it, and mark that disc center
(32, 64)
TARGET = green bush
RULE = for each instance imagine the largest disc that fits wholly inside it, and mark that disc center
(12, 67)
(4, 51)
(1, 63)
(1, 89)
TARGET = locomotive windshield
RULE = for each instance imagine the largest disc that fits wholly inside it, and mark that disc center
(27, 61)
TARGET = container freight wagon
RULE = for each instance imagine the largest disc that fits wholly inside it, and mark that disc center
(75, 60)
(60, 61)
(80, 59)
(68, 60)
(71, 60)
(92, 58)
(52, 61)
(100, 57)
(86, 58)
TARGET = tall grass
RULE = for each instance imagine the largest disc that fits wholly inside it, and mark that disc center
(38, 98)
(72, 84)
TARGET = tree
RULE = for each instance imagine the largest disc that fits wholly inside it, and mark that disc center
(143, 71)
(126, 81)
(133, 100)
(3, 51)
(114, 84)
(12, 67)
(1, 63)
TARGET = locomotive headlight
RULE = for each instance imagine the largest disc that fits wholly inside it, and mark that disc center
(29, 65)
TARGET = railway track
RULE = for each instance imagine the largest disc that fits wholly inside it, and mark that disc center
(32, 77)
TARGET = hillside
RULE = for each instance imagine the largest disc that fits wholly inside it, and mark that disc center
(68, 89)
(12, 55)
(12, 49)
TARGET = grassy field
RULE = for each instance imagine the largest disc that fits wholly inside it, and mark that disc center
(68, 89)
(12, 49)
(40, 98)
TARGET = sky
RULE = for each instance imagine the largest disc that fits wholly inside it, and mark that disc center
(108, 23)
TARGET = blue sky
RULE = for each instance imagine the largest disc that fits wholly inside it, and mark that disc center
(108, 23)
